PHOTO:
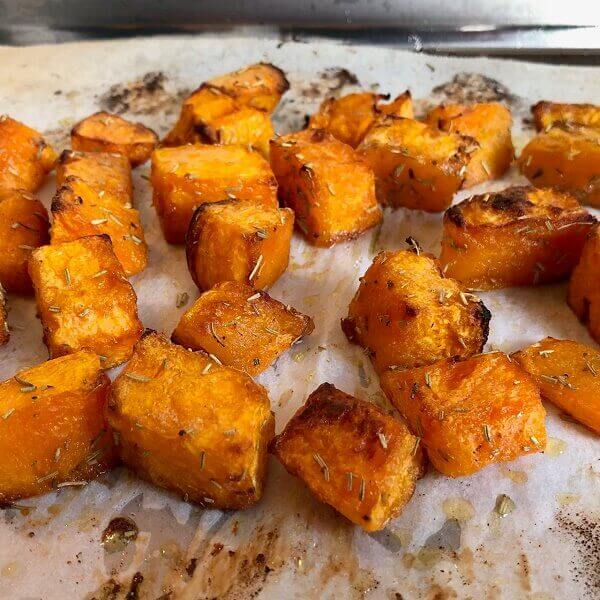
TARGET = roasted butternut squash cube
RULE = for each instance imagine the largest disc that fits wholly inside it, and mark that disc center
(190, 425)
(518, 236)
(489, 123)
(407, 314)
(53, 431)
(242, 327)
(349, 118)
(103, 132)
(352, 456)
(25, 157)
(238, 241)
(471, 413)
(84, 299)
(4, 330)
(568, 375)
(416, 166)
(23, 226)
(567, 157)
(546, 114)
(79, 211)
(183, 178)
(108, 174)
(330, 189)
(584, 286)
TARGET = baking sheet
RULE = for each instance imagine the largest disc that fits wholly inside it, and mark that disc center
(449, 542)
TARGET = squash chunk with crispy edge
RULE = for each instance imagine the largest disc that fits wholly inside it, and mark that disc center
(258, 86)
(52, 427)
(84, 299)
(4, 330)
(103, 132)
(416, 166)
(546, 114)
(568, 375)
(566, 156)
(25, 157)
(184, 178)
(518, 236)
(584, 287)
(79, 211)
(23, 227)
(330, 189)
(470, 414)
(187, 424)
(407, 314)
(242, 327)
(489, 123)
(238, 241)
(352, 456)
(349, 118)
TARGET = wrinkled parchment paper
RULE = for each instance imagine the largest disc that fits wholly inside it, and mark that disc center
(449, 542)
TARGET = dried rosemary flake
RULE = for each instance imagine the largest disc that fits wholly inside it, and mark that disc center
(136, 377)
(98, 221)
(253, 297)
(47, 477)
(262, 233)
(71, 483)
(84, 312)
(330, 189)
(349, 478)
(590, 368)
(504, 505)
(256, 268)
(271, 331)
(324, 468)
(215, 359)
(67, 275)
(25, 247)
(99, 274)
(486, 168)
(361, 491)
(207, 368)
(57, 454)
(202, 459)
(534, 440)
(382, 439)
(182, 299)
(428, 379)
(8, 413)
(216, 484)
(545, 353)
(213, 333)
(415, 446)
(230, 432)
(54, 309)
(487, 433)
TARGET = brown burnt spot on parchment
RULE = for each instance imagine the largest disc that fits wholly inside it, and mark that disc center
(468, 88)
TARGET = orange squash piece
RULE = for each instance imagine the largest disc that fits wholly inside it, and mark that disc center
(350, 117)
(352, 456)
(187, 424)
(103, 132)
(567, 157)
(489, 123)
(238, 241)
(416, 166)
(52, 427)
(546, 114)
(242, 327)
(329, 188)
(568, 375)
(184, 178)
(518, 236)
(4, 330)
(25, 157)
(407, 314)
(584, 287)
(23, 227)
(470, 414)
(84, 299)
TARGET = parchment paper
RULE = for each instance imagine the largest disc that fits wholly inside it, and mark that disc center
(449, 542)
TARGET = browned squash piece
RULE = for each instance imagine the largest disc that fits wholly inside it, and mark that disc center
(4, 330)
(184, 178)
(546, 114)
(519, 236)
(79, 211)
(349, 118)
(187, 424)
(25, 157)
(103, 132)
(258, 86)
(407, 314)
(352, 456)
(584, 287)
(108, 174)
(329, 188)
(566, 156)
(416, 166)
(568, 375)
(238, 241)
(84, 299)
(23, 227)
(489, 123)
(242, 327)
(52, 427)
(470, 414)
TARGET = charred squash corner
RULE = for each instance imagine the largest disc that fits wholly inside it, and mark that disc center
(352, 456)
(519, 236)
(547, 114)
(242, 327)
(188, 424)
(4, 330)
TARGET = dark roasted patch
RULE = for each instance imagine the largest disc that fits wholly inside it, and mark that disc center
(468, 88)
